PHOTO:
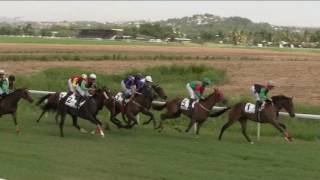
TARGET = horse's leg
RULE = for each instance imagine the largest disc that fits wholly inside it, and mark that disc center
(243, 123)
(165, 116)
(283, 126)
(42, 113)
(62, 119)
(228, 124)
(14, 116)
(283, 131)
(116, 121)
(131, 118)
(191, 123)
(199, 125)
(57, 118)
(99, 126)
(76, 125)
(148, 113)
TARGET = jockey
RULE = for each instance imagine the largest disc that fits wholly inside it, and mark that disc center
(92, 81)
(260, 92)
(4, 84)
(144, 81)
(83, 86)
(133, 83)
(128, 86)
(73, 81)
(196, 89)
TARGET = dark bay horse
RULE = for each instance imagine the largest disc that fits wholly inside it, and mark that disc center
(198, 115)
(9, 103)
(87, 111)
(268, 115)
(141, 102)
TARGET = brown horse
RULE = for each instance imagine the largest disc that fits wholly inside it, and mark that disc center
(198, 115)
(268, 115)
(9, 103)
(141, 102)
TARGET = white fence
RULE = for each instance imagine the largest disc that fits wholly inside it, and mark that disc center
(298, 115)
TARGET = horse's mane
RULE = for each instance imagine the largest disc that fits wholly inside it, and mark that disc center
(209, 96)
(279, 97)
(15, 91)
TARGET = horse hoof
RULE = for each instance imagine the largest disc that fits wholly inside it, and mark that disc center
(83, 131)
(251, 142)
(18, 131)
(288, 139)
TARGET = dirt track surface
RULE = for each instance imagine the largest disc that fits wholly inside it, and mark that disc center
(226, 52)
(293, 78)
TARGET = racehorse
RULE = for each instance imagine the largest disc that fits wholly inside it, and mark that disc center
(9, 104)
(87, 111)
(141, 102)
(268, 115)
(197, 115)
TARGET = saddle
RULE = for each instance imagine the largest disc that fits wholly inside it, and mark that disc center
(185, 104)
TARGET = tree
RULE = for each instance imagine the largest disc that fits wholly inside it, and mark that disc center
(315, 37)
(28, 29)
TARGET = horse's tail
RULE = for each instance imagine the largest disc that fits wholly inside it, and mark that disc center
(158, 107)
(218, 113)
(43, 98)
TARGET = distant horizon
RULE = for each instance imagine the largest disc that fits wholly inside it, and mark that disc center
(303, 14)
(150, 21)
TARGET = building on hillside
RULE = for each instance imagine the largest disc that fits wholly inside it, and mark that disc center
(101, 33)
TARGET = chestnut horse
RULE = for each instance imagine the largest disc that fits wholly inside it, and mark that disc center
(141, 102)
(198, 115)
(268, 115)
(9, 104)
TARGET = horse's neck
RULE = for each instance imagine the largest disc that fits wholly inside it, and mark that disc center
(143, 100)
(277, 105)
(12, 98)
(209, 102)
(98, 102)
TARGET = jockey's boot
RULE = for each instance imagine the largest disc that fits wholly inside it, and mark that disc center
(190, 105)
(79, 99)
(123, 105)
(257, 110)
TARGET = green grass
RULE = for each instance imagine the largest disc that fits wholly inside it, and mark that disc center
(74, 41)
(80, 41)
(141, 153)
(78, 56)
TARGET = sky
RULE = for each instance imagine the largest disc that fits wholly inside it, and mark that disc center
(287, 13)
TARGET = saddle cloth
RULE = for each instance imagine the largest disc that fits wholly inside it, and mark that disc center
(72, 100)
(185, 104)
(250, 108)
(119, 98)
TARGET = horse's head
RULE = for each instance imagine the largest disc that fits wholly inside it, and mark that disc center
(285, 103)
(159, 91)
(217, 95)
(147, 91)
(106, 95)
(24, 94)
